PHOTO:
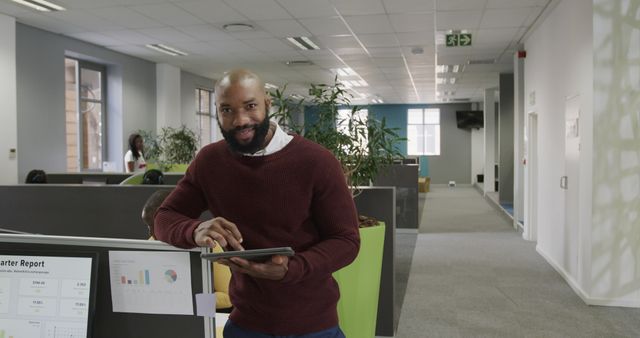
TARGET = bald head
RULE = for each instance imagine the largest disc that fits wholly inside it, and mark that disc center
(242, 77)
(242, 107)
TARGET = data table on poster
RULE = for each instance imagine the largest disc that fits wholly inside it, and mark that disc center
(44, 296)
(151, 282)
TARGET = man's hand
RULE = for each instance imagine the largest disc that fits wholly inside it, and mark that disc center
(273, 269)
(218, 230)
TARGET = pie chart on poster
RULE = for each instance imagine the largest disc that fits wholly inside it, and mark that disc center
(171, 276)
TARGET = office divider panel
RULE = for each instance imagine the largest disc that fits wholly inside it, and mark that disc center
(101, 178)
(405, 179)
(379, 202)
(108, 324)
(76, 210)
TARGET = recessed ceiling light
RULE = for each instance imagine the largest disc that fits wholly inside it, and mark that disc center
(40, 5)
(238, 27)
(303, 42)
(166, 49)
(270, 86)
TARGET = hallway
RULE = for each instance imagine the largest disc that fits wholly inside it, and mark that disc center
(473, 275)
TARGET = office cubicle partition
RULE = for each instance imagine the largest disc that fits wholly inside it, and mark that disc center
(111, 211)
(379, 202)
(405, 178)
(109, 324)
(102, 178)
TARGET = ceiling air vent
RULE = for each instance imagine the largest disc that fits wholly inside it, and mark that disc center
(299, 63)
(482, 62)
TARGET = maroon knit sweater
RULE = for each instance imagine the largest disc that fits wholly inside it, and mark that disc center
(295, 197)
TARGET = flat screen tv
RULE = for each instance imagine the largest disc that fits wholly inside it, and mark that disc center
(468, 119)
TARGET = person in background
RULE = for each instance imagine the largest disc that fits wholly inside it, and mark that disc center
(153, 177)
(36, 176)
(133, 159)
(267, 189)
(221, 273)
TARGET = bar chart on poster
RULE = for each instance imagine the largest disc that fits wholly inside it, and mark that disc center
(151, 282)
(44, 296)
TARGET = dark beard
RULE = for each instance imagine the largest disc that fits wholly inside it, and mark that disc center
(256, 144)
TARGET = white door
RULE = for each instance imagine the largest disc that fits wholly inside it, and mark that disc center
(570, 183)
(530, 232)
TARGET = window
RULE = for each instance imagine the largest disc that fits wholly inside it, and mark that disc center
(85, 115)
(423, 131)
(344, 115)
(204, 115)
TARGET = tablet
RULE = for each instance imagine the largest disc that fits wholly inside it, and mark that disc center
(257, 255)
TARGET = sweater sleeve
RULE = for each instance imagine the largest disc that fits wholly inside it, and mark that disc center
(178, 216)
(335, 215)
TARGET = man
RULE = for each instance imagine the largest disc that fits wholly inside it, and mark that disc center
(267, 189)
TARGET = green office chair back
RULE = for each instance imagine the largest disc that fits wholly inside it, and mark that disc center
(135, 179)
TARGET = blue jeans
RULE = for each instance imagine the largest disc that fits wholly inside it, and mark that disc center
(233, 331)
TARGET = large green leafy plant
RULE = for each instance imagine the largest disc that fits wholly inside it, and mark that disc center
(363, 144)
(172, 146)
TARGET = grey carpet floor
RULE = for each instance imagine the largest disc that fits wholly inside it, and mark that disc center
(472, 275)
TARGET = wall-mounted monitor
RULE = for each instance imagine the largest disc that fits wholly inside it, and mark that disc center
(469, 119)
(47, 294)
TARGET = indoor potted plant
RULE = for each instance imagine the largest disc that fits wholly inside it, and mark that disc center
(364, 146)
(172, 150)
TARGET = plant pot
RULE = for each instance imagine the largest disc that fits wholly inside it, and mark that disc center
(359, 284)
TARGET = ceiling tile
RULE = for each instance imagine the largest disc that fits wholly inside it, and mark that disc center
(338, 41)
(96, 38)
(212, 11)
(458, 20)
(515, 3)
(408, 6)
(283, 28)
(416, 38)
(268, 45)
(259, 10)
(167, 34)
(255, 34)
(325, 26)
(125, 17)
(359, 7)
(51, 24)
(131, 36)
(497, 18)
(369, 24)
(84, 19)
(458, 5)
(205, 33)
(385, 52)
(378, 40)
(502, 36)
(406, 23)
(302, 9)
(168, 14)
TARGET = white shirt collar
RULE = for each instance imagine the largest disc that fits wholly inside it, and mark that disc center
(279, 140)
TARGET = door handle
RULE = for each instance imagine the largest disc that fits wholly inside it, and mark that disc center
(564, 182)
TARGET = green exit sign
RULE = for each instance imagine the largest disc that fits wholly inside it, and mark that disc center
(455, 40)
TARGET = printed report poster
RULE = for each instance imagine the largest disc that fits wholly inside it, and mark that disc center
(151, 282)
(44, 296)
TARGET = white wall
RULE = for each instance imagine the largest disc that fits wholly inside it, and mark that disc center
(8, 105)
(168, 104)
(615, 235)
(477, 153)
(490, 134)
(559, 65)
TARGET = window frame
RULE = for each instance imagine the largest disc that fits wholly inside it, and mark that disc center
(102, 69)
(200, 114)
(423, 125)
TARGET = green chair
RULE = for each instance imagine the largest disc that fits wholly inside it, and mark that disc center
(135, 179)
